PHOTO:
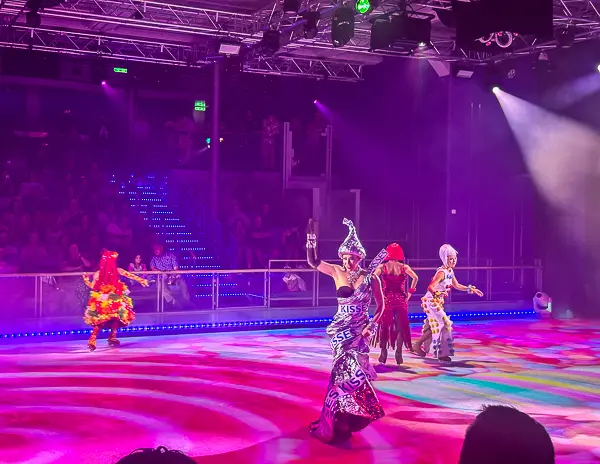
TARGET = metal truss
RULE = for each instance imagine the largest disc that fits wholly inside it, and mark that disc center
(148, 16)
(294, 66)
(161, 52)
(102, 46)
(581, 17)
(128, 29)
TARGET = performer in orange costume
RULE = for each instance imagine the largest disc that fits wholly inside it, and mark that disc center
(394, 330)
(109, 306)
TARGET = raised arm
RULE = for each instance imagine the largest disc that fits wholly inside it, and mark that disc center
(86, 262)
(90, 283)
(311, 253)
(464, 288)
(133, 277)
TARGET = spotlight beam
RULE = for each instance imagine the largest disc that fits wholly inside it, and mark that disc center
(560, 154)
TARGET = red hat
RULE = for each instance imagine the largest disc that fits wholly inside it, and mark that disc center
(395, 252)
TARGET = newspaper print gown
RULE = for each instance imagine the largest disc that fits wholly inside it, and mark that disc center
(350, 403)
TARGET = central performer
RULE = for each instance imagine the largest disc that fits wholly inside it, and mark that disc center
(351, 403)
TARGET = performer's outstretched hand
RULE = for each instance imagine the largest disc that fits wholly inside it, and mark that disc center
(477, 292)
(367, 331)
(144, 283)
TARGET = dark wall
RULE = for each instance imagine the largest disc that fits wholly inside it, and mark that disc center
(417, 145)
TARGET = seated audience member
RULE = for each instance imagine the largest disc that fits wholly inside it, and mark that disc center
(138, 266)
(74, 261)
(10, 253)
(160, 455)
(292, 243)
(165, 261)
(237, 215)
(505, 435)
(243, 257)
(261, 242)
(34, 256)
(293, 281)
(5, 266)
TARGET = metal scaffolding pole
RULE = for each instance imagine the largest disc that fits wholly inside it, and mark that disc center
(214, 166)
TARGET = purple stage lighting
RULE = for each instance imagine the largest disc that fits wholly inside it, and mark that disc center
(496, 90)
(103, 82)
(315, 102)
(598, 68)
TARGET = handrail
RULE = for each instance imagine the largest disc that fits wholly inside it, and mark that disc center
(249, 271)
(248, 295)
(416, 268)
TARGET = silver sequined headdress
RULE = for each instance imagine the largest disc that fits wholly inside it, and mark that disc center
(352, 245)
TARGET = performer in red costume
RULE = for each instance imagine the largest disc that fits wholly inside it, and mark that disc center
(394, 330)
(109, 305)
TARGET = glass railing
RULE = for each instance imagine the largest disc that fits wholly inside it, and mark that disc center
(498, 283)
(65, 294)
(54, 302)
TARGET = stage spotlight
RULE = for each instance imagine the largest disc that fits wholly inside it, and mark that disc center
(342, 26)
(270, 41)
(412, 28)
(496, 90)
(103, 82)
(565, 36)
(229, 48)
(366, 6)
(598, 68)
(311, 25)
(315, 102)
(33, 18)
(382, 34)
(462, 70)
(291, 6)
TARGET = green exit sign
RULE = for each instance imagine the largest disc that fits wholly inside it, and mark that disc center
(199, 105)
(120, 70)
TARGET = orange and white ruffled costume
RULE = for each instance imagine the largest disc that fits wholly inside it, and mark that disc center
(109, 305)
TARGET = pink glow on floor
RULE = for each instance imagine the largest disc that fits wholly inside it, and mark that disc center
(247, 397)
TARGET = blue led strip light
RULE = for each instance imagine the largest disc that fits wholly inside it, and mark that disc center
(249, 325)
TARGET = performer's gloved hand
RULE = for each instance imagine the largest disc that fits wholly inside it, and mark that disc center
(369, 329)
(311, 236)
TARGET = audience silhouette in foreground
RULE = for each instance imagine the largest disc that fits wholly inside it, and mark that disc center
(160, 455)
(505, 435)
(498, 435)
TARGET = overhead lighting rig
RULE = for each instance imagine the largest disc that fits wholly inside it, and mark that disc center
(185, 28)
